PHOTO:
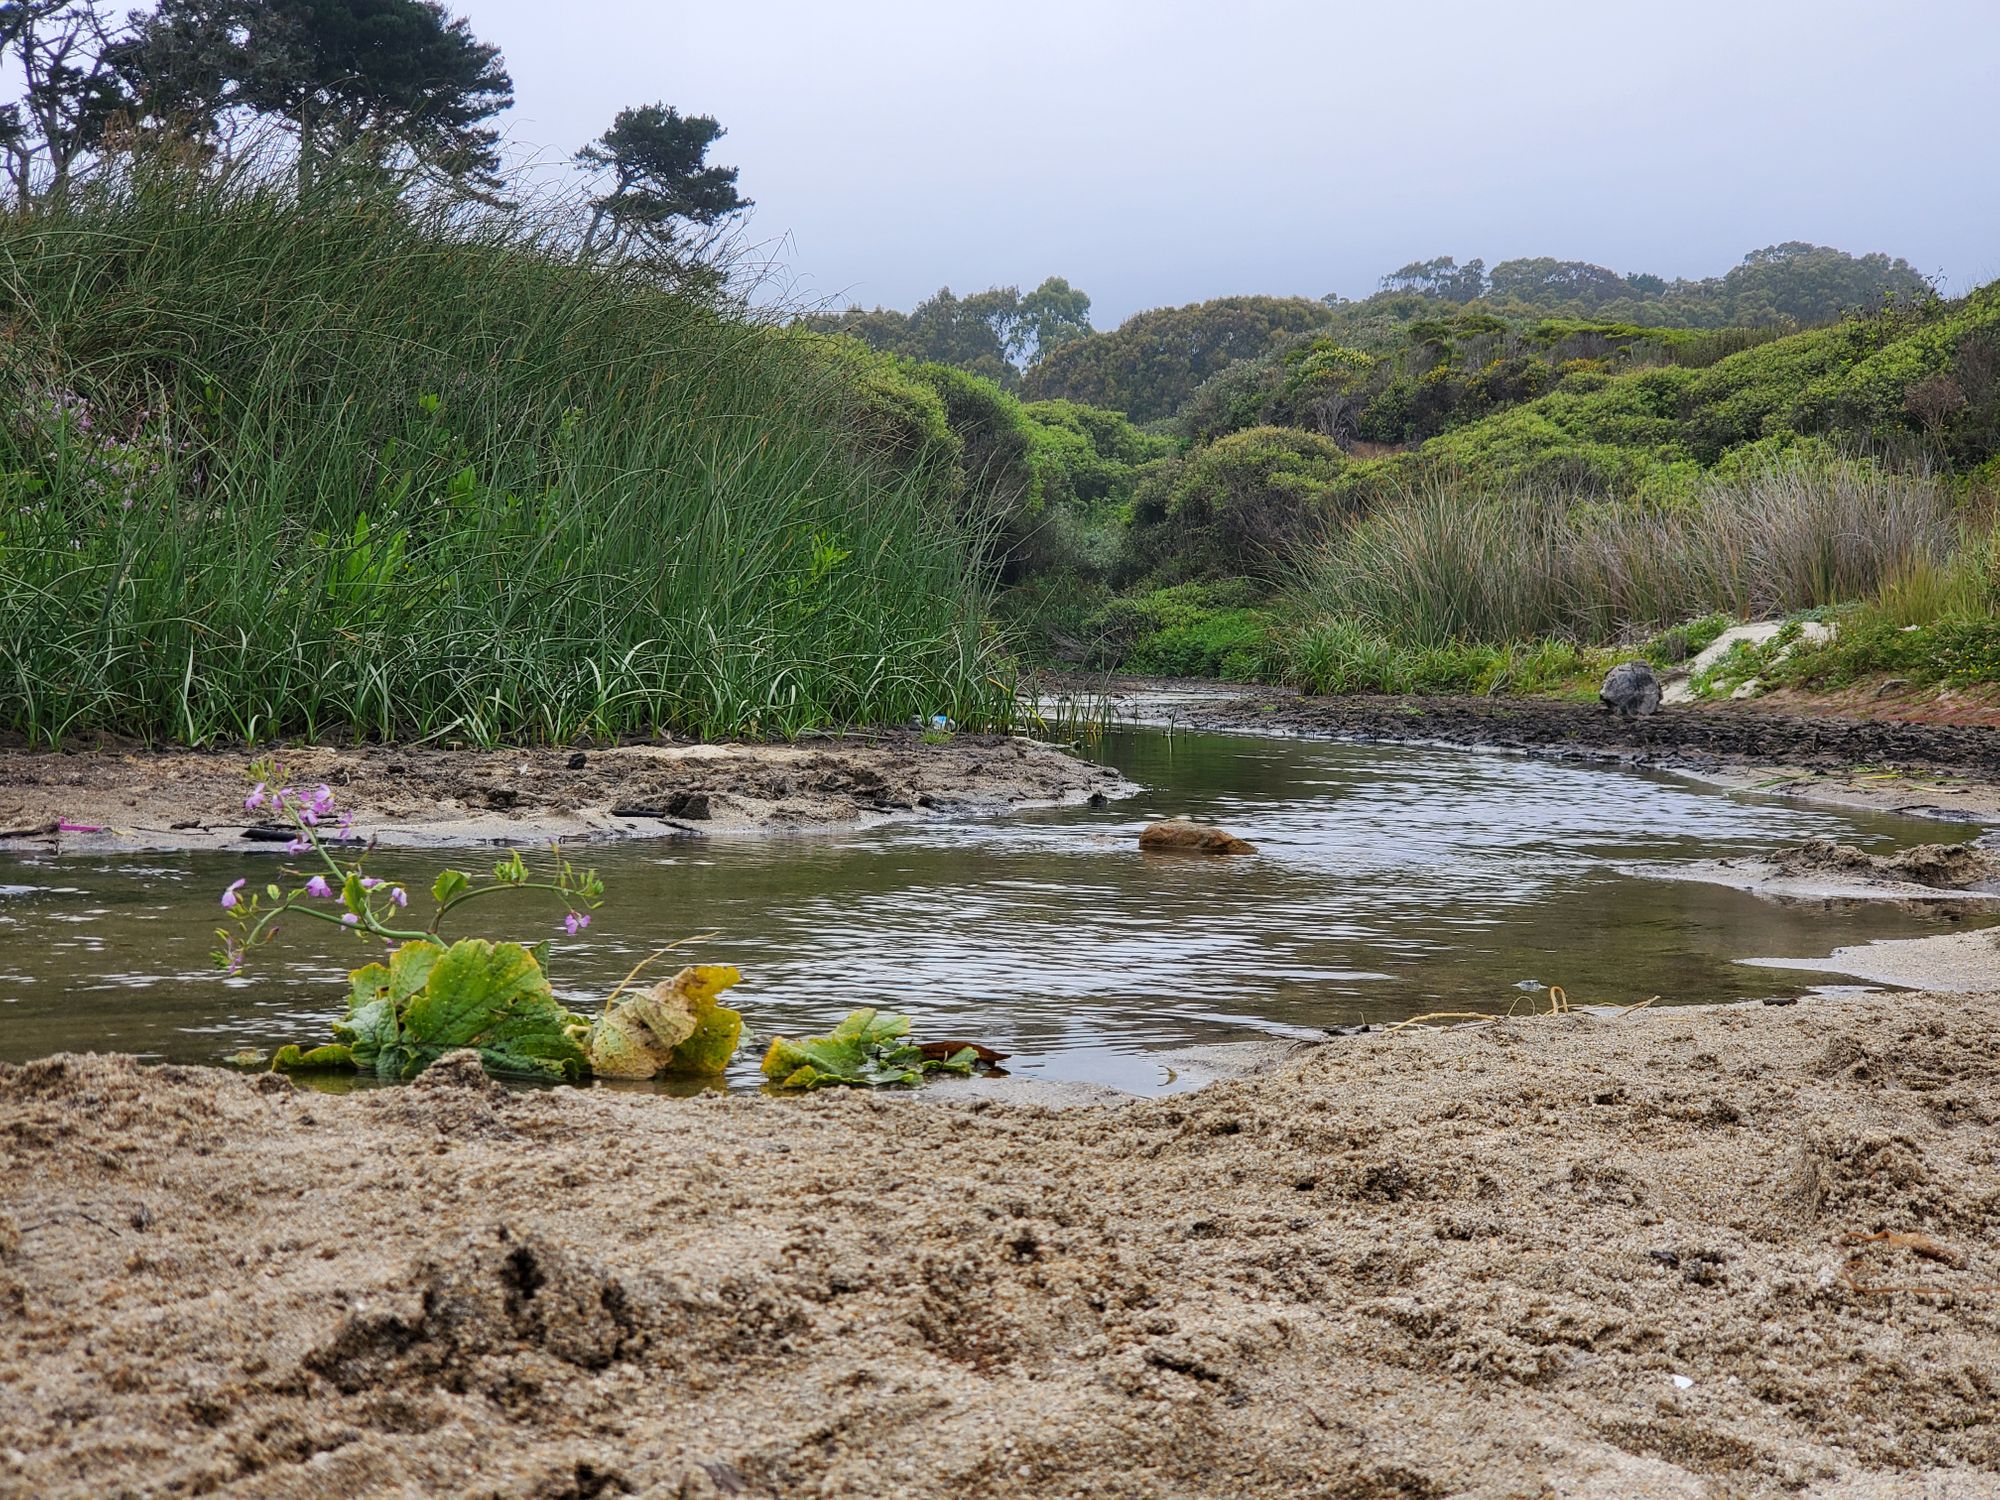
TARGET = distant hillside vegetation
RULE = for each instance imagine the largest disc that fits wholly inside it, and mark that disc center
(1152, 365)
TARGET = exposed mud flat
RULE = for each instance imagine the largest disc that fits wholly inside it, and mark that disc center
(1945, 962)
(415, 795)
(1552, 1256)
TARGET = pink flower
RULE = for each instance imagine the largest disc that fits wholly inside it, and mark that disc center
(229, 897)
(350, 919)
(317, 886)
(399, 896)
(256, 798)
(575, 922)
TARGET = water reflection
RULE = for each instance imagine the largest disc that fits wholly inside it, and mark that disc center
(1389, 881)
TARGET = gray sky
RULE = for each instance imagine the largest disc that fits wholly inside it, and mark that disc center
(1164, 153)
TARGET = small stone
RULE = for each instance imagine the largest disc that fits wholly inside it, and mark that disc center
(1185, 836)
(694, 806)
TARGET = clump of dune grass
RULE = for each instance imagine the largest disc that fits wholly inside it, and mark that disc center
(1444, 562)
(358, 467)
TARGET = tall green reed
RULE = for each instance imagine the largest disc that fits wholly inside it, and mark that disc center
(1445, 561)
(338, 467)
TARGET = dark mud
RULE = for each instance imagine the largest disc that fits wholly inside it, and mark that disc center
(1691, 738)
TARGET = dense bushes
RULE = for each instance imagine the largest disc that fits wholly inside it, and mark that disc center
(1152, 363)
(1240, 506)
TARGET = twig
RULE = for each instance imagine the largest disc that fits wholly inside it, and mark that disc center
(1917, 1244)
(652, 958)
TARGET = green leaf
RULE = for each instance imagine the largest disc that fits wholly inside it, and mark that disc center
(448, 884)
(492, 996)
(869, 1049)
(291, 1060)
(371, 1035)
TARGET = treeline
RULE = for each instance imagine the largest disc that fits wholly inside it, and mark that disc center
(1151, 366)
(993, 333)
(1795, 284)
(366, 96)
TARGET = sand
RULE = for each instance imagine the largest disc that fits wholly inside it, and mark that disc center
(1558, 1256)
(1948, 962)
(132, 798)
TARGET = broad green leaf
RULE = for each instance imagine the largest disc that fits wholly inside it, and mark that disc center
(675, 1026)
(448, 884)
(291, 1060)
(492, 996)
(410, 970)
(371, 1034)
(368, 984)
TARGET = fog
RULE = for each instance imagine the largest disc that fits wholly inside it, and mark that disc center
(1162, 153)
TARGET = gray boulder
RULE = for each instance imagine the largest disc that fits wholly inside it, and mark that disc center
(1631, 690)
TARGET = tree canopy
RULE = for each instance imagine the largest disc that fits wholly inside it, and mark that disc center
(1150, 365)
(988, 333)
(659, 189)
(399, 84)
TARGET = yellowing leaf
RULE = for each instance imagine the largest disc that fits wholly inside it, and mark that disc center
(675, 1026)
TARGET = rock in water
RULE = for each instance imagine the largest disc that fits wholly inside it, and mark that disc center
(1631, 689)
(1185, 836)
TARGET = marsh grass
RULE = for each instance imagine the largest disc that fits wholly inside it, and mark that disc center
(353, 468)
(1445, 563)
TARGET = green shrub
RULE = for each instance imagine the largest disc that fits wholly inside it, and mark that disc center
(1191, 630)
(1238, 507)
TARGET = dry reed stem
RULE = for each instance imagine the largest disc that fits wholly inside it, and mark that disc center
(1917, 1244)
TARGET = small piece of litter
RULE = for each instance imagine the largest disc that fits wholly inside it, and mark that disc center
(1681, 1382)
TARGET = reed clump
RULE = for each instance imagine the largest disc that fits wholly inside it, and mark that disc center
(336, 467)
(1445, 562)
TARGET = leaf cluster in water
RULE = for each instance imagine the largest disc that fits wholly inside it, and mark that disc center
(870, 1049)
(430, 999)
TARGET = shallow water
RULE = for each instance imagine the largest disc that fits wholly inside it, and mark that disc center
(1390, 881)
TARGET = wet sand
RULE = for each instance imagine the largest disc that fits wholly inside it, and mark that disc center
(129, 798)
(1552, 1256)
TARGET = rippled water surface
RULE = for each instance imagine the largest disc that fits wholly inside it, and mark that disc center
(1389, 882)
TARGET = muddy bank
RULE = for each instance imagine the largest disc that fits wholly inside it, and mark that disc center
(413, 795)
(1821, 869)
(1551, 1256)
(1939, 770)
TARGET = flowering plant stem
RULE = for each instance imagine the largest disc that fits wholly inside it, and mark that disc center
(366, 905)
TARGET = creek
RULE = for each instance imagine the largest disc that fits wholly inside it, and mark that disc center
(1390, 881)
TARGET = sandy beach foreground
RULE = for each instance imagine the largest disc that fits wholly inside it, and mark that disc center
(1738, 1251)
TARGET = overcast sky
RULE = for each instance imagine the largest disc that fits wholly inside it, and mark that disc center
(1160, 153)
